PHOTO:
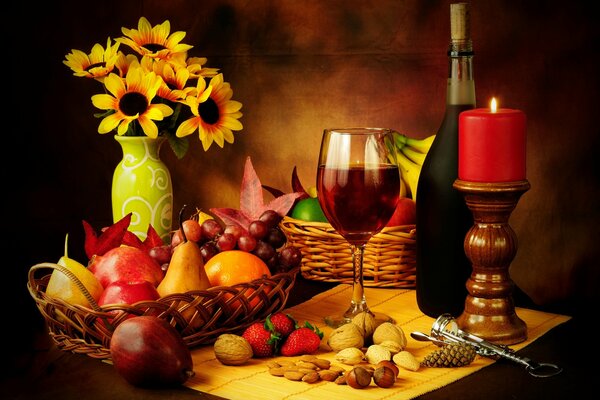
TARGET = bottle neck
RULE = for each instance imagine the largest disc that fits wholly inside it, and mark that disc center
(461, 85)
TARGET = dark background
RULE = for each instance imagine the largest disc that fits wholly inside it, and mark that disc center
(298, 67)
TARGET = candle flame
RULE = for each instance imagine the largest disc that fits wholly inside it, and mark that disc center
(493, 105)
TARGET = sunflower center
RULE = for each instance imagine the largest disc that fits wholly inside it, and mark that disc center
(154, 47)
(95, 65)
(133, 103)
(209, 111)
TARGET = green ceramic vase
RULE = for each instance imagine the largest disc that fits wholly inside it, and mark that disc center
(142, 185)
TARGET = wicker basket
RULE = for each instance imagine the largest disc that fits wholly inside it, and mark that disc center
(389, 260)
(217, 310)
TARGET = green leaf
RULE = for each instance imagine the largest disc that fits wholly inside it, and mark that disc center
(178, 145)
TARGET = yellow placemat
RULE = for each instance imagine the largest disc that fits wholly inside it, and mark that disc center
(252, 380)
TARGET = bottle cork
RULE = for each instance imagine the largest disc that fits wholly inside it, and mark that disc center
(460, 21)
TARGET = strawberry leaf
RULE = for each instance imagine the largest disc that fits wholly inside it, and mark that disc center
(252, 202)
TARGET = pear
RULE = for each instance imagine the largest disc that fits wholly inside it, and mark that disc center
(63, 287)
(185, 273)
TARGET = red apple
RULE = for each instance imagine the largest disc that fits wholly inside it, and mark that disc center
(125, 263)
(124, 292)
(405, 214)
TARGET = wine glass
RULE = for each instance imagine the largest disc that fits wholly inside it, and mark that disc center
(358, 186)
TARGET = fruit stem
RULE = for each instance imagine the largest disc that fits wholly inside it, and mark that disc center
(66, 245)
(181, 223)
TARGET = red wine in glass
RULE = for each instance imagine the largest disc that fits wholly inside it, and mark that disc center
(358, 186)
(358, 200)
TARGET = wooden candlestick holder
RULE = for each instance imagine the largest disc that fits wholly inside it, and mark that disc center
(491, 245)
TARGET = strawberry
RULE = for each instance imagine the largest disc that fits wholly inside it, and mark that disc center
(261, 340)
(303, 340)
(280, 323)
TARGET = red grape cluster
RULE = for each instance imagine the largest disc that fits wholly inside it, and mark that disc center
(263, 238)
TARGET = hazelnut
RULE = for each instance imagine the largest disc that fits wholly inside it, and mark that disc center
(384, 377)
(389, 364)
(358, 378)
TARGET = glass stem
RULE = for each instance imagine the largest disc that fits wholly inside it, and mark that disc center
(359, 302)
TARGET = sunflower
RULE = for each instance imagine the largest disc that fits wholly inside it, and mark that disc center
(97, 65)
(131, 100)
(154, 42)
(174, 79)
(215, 115)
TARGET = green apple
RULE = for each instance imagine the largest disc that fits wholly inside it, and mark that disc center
(308, 209)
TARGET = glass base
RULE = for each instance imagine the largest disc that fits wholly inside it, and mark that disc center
(337, 320)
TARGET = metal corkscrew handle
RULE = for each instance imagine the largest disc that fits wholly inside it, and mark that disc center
(445, 330)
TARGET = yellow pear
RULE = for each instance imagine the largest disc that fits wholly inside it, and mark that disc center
(62, 287)
(185, 273)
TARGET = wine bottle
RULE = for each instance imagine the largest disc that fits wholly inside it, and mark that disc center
(443, 218)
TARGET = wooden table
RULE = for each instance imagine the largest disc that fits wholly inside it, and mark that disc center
(49, 373)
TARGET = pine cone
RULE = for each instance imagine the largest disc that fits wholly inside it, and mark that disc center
(451, 355)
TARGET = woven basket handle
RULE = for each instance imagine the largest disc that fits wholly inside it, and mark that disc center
(71, 276)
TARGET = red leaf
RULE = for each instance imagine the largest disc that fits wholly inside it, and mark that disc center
(251, 195)
(131, 239)
(152, 239)
(296, 185)
(230, 216)
(110, 238)
(275, 192)
(91, 240)
(252, 202)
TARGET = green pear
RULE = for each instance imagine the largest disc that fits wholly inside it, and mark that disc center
(63, 287)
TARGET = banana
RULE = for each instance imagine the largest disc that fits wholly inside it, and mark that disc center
(420, 145)
(410, 173)
(413, 155)
(403, 188)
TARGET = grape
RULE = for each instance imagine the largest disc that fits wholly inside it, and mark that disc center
(208, 250)
(258, 229)
(246, 243)
(226, 241)
(235, 230)
(211, 229)
(264, 250)
(273, 263)
(290, 257)
(192, 230)
(176, 238)
(161, 254)
(271, 218)
(275, 237)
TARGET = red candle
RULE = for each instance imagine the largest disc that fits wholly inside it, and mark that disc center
(491, 145)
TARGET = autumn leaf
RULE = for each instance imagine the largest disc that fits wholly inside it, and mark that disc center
(252, 203)
(110, 238)
(296, 187)
(117, 235)
(296, 184)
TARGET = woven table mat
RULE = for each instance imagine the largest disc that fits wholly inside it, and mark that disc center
(253, 381)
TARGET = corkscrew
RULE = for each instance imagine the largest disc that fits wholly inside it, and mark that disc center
(445, 331)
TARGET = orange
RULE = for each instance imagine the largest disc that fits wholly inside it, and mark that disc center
(231, 267)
